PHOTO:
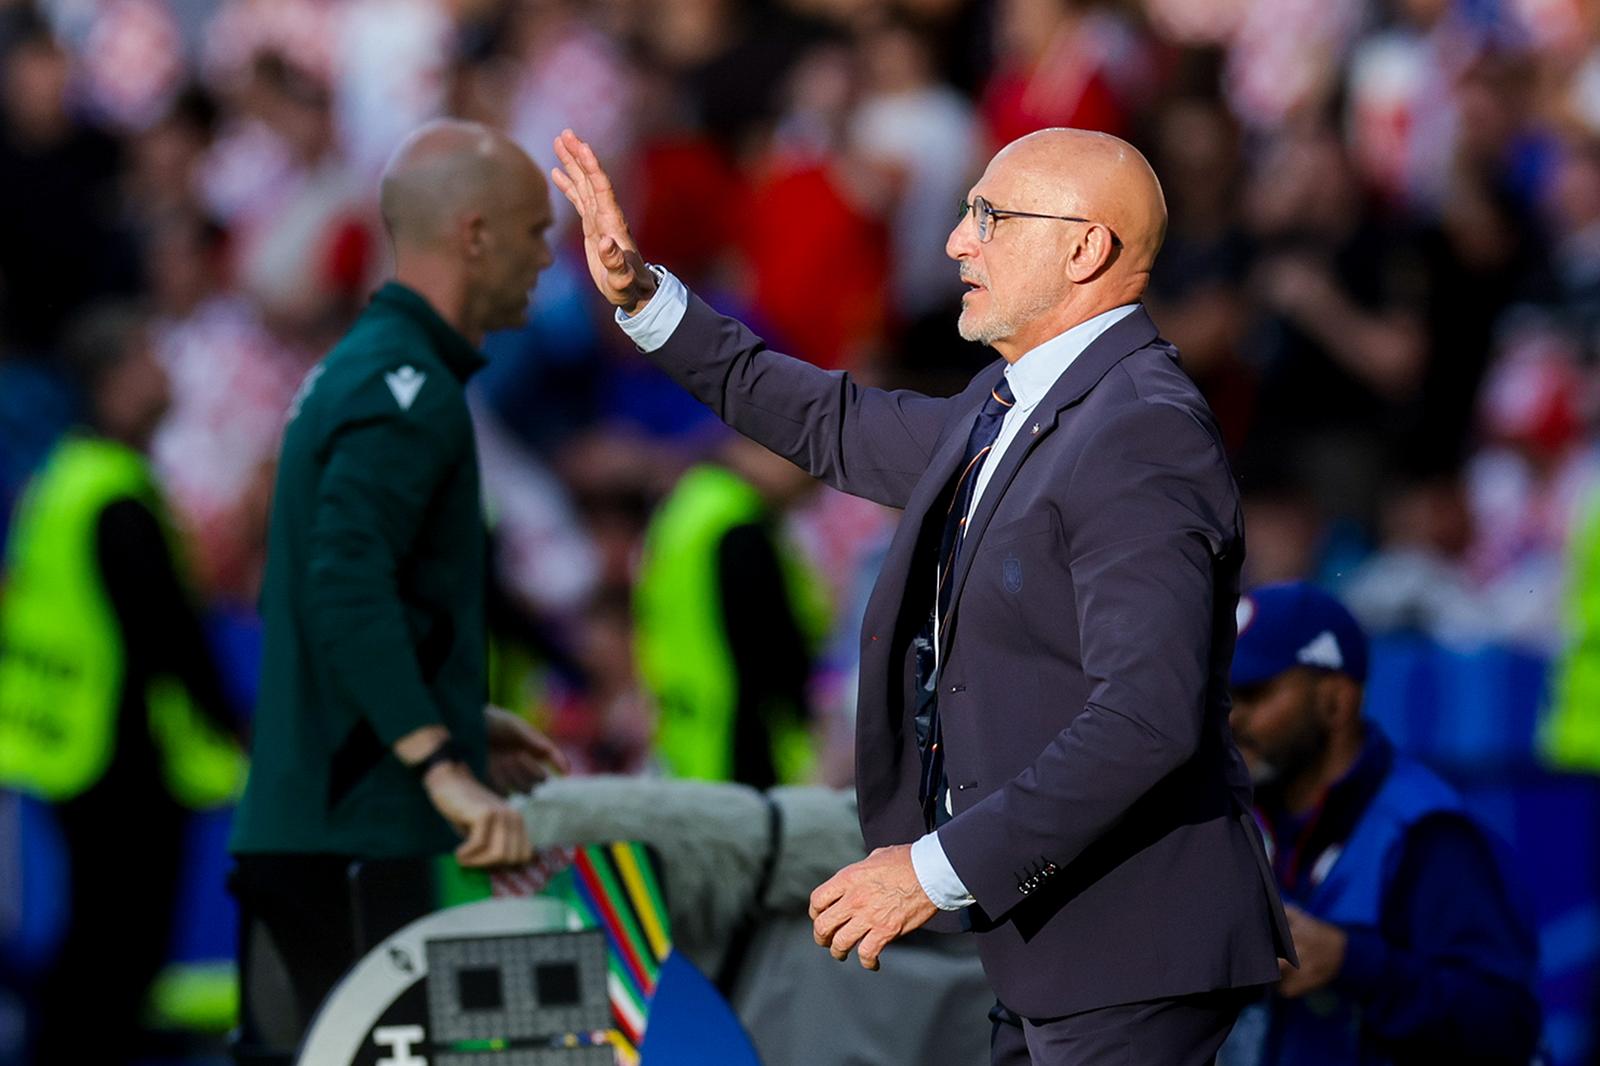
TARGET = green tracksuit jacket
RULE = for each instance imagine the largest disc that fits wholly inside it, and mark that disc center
(373, 600)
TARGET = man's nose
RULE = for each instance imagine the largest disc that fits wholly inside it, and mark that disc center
(963, 240)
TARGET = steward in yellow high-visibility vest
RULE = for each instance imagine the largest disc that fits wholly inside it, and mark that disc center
(1570, 737)
(726, 621)
(64, 670)
(111, 709)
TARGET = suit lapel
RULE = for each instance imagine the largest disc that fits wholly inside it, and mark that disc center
(895, 582)
(1133, 332)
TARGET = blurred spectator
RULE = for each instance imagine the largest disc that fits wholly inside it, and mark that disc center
(1527, 487)
(306, 246)
(231, 383)
(730, 60)
(1480, 557)
(913, 128)
(1338, 332)
(389, 74)
(728, 620)
(1404, 118)
(303, 32)
(1417, 580)
(693, 199)
(1285, 56)
(1482, 254)
(1574, 205)
(569, 74)
(544, 558)
(1057, 63)
(604, 723)
(1287, 532)
(111, 708)
(166, 161)
(60, 246)
(133, 55)
(617, 477)
(815, 218)
(1197, 286)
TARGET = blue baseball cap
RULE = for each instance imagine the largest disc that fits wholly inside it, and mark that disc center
(1295, 624)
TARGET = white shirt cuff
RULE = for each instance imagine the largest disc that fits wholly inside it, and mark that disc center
(937, 877)
(654, 326)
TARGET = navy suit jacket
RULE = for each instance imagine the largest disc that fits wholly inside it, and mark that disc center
(1101, 810)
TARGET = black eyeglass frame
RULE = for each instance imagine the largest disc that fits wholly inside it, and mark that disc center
(980, 207)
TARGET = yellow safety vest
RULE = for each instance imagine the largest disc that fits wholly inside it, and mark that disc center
(683, 652)
(1570, 737)
(62, 659)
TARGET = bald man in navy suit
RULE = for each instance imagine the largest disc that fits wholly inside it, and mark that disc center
(1042, 727)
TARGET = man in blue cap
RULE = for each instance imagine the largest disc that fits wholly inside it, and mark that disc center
(1412, 946)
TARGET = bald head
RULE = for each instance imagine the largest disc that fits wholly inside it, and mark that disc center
(1075, 221)
(448, 169)
(1094, 176)
(469, 215)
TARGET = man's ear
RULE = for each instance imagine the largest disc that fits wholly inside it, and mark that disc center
(473, 233)
(1341, 700)
(1088, 254)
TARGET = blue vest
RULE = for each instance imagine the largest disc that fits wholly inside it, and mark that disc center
(1324, 1029)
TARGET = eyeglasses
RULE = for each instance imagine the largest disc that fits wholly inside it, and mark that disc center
(987, 215)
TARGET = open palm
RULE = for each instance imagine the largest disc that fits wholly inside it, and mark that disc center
(614, 261)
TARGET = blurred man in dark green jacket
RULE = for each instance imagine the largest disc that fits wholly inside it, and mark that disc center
(373, 738)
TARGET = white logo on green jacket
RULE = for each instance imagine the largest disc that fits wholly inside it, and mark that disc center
(405, 383)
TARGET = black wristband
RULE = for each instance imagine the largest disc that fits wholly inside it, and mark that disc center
(449, 750)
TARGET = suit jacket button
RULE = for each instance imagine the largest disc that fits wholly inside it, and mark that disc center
(1049, 868)
(1024, 887)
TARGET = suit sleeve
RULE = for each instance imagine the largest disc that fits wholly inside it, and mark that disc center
(867, 442)
(379, 475)
(1152, 505)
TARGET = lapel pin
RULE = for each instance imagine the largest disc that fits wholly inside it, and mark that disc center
(1035, 430)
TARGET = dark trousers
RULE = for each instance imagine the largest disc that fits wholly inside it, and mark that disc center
(296, 941)
(1185, 1031)
(124, 841)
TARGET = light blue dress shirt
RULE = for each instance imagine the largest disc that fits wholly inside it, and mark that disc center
(1030, 378)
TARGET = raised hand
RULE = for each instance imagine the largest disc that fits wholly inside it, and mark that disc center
(614, 261)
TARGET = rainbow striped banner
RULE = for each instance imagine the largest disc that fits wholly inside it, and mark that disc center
(615, 888)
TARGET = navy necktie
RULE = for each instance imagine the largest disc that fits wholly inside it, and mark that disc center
(930, 740)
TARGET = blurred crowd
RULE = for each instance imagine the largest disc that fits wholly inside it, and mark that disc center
(1383, 264)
